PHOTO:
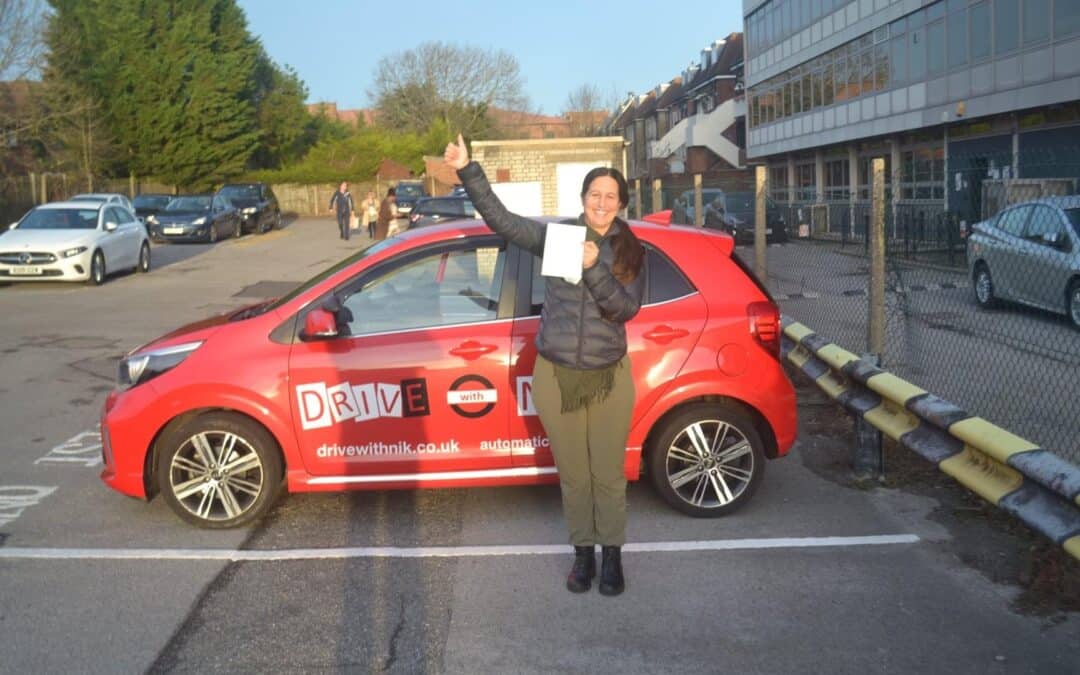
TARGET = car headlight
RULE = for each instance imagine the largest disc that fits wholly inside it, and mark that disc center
(199, 221)
(72, 251)
(144, 366)
(152, 220)
(250, 210)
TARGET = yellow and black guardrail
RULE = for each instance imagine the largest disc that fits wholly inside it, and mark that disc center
(1027, 481)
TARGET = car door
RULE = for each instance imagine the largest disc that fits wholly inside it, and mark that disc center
(1005, 251)
(133, 233)
(112, 242)
(659, 340)
(1044, 267)
(416, 389)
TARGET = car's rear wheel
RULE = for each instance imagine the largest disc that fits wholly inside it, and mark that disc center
(97, 269)
(707, 460)
(1072, 305)
(144, 258)
(219, 470)
(984, 286)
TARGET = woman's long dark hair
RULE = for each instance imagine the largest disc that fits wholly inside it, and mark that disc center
(629, 253)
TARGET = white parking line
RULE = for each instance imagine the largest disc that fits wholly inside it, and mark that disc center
(15, 553)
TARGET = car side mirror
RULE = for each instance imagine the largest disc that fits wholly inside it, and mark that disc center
(110, 226)
(319, 324)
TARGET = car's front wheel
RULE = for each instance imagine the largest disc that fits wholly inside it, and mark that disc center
(984, 286)
(1072, 307)
(211, 234)
(97, 269)
(238, 229)
(707, 460)
(219, 470)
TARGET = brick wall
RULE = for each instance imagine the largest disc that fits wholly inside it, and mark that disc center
(535, 160)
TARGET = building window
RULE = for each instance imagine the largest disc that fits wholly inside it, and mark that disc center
(1036, 21)
(827, 85)
(1006, 25)
(922, 174)
(881, 66)
(979, 30)
(957, 29)
(917, 54)
(807, 190)
(836, 180)
(1066, 18)
(935, 47)
(778, 183)
(898, 62)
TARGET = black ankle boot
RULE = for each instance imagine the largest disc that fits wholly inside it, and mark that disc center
(611, 576)
(583, 571)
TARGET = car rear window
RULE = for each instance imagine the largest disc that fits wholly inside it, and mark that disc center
(1074, 219)
(408, 190)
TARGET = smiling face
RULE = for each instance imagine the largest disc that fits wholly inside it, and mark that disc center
(601, 203)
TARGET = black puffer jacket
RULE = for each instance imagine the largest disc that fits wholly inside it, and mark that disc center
(573, 329)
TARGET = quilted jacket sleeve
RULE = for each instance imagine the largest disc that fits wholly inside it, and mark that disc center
(617, 302)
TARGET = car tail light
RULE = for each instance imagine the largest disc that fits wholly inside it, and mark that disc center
(764, 318)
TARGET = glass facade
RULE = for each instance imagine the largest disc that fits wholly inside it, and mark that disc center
(928, 43)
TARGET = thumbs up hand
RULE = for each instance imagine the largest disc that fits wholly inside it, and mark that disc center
(456, 155)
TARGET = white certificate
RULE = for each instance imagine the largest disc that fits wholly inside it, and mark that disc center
(563, 252)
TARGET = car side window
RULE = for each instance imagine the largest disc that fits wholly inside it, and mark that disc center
(1044, 220)
(112, 216)
(443, 288)
(663, 281)
(1012, 221)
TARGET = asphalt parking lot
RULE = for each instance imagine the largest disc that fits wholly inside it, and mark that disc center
(814, 575)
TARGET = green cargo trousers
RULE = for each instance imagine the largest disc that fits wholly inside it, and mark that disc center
(589, 446)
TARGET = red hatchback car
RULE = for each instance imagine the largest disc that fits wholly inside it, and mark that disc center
(410, 365)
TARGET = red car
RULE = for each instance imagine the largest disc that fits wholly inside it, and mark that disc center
(410, 365)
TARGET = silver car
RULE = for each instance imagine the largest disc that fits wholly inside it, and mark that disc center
(1029, 253)
(73, 241)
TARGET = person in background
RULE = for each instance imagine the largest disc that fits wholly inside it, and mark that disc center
(342, 204)
(369, 213)
(387, 213)
(582, 387)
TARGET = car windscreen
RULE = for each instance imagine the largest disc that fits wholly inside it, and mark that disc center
(740, 202)
(60, 219)
(409, 191)
(1074, 219)
(444, 207)
(188, 204)
(89, 198)
(240, 191)
(151, 201)
(330, 271)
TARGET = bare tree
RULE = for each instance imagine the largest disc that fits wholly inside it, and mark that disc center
(21, 24)
(448, 84)
(587, 107)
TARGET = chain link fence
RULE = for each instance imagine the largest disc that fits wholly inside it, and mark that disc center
(982, 288)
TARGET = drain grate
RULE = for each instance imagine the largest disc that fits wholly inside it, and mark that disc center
(267, 289)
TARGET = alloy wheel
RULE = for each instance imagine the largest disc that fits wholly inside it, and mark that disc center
(709, 464)
(216, 476)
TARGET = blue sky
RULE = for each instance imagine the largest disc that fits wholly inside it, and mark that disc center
(630, 46)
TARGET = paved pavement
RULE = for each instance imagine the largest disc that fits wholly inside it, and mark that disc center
(444, 580)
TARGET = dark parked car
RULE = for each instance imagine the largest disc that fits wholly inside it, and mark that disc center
(407, 193)
(195, 218)
(258, 205)
(435, 210)
(1029, 253)
(150, 204)
(734, 214)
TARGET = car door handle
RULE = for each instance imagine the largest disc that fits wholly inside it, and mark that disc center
(665, 334)
(471, 349)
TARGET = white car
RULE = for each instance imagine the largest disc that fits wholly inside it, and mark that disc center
(104, 197)
(73, 241)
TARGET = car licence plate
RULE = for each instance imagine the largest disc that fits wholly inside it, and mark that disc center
(25, 270)
(768, 230)
(172, 230)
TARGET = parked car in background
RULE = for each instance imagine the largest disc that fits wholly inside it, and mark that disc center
(682, 211)
(73, 241)
(410, 363)
(734, 213)
(149, 204)
(207, 217)
(104, 197)
(1029, 253)
(407, 192)
(257, 203)
(435, 210)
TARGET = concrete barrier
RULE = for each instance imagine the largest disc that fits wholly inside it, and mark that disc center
(1027, 481)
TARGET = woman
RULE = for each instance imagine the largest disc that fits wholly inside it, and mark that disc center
(582, 386)
(369, 213)
(387, 213)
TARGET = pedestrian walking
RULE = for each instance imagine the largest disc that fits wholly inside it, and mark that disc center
(342, 205)
(582, 386)
(387, 213)
(369, 213)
